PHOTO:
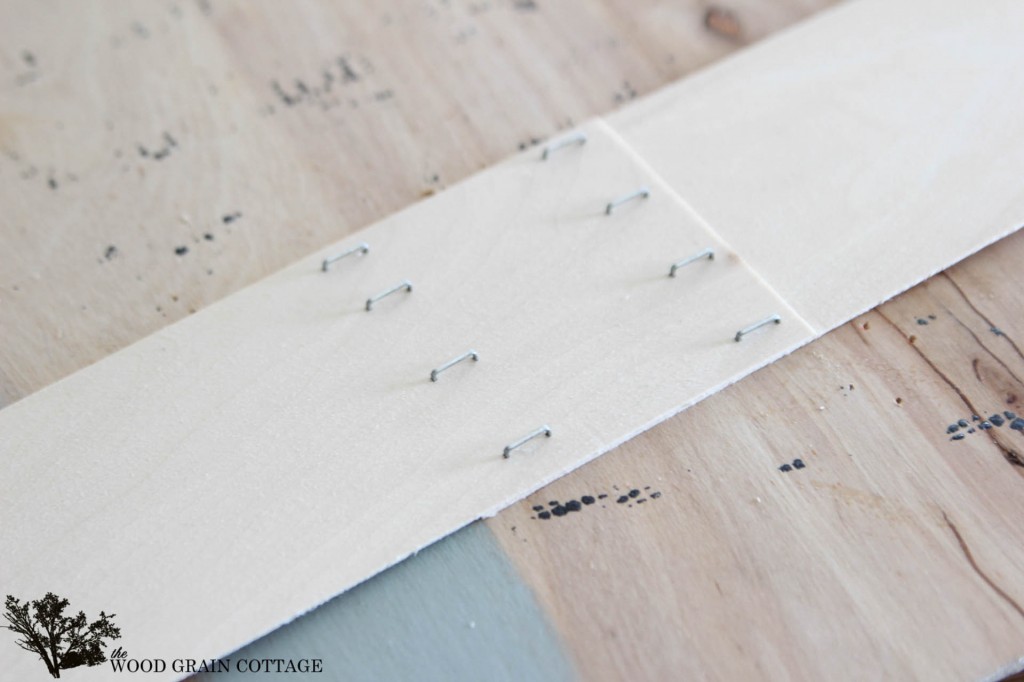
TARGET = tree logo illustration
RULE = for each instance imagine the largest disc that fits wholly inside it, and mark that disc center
(61, 641)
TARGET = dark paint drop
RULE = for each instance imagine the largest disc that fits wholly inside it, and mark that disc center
(798, 464)
(181, 250)
(587, 499)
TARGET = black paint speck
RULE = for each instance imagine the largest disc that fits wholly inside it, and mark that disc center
(785, 467)
(634, 493)
(921, 321)
(181, 250)
(984, 426)
(622, 500)
(573, 505)
(798, 464)
(962, 423)
(348, 74)
(538, 507)
(970, 430)
(559, 511)
(655, 495)
(52, 183)
(1017, 424)
(602, 496)
(587, 499)
(997, 331)
(640, 501)
(231, 217)
(952, 428)
(958, 436)
(553, 503)
(208, 237)
(1010, 415)
(110, 252)
(931, 317)
(544, 515)
(997, 419)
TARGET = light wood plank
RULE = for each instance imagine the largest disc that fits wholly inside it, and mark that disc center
(886, 145)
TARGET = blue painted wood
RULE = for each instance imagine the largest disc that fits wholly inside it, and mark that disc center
(455, 611)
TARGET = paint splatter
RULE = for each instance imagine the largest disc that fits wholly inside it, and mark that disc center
(796, 464)
(963, 427)
(558, 509)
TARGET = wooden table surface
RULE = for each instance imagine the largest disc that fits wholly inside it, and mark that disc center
(155, 158)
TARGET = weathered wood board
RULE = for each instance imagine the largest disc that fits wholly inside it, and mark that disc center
(895, 553)
(254, 241)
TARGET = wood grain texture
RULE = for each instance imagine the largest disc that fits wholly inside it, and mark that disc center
(62, 281)
(896, 553)
(299, 124)
(892, 143)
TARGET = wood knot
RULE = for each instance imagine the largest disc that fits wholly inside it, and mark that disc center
(723, 23)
